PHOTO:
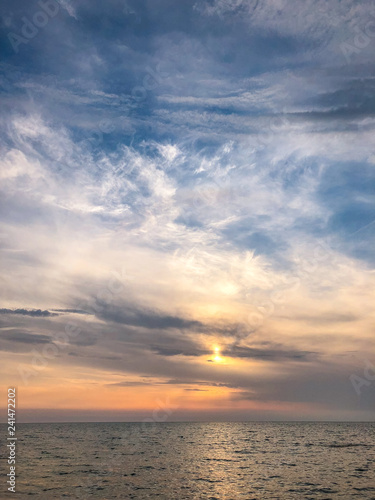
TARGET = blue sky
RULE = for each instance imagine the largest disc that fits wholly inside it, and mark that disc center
(179, 177)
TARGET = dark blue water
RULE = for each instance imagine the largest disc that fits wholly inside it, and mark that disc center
(196, 461)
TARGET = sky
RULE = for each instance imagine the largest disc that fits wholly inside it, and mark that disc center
(187, 209)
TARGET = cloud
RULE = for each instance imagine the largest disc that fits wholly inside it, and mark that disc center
(323, 318)
(276, 354)
(197, 390)
(171, 351)
(37, 313)
(130, 315)
(25, 338)
(72, 311)
(131, 384)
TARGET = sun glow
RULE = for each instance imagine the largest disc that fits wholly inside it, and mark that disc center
(217, 357)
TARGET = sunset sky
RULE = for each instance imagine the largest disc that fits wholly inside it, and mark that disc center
(187, 209)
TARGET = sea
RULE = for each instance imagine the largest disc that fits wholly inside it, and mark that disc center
(176, 461)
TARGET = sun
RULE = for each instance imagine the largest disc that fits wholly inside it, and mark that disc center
(217, 357)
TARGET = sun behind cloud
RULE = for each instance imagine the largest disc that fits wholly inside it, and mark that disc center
(217, 357)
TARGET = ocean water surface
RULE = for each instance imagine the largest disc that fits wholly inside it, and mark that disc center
(196, 460)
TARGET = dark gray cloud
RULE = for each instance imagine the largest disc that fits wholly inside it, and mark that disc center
(133, 384)
(320, 385)
(354, 99)
(85, 339)
(36, 313)
(25, 337)
(72, 311)
(182, 351)
(272, 353)
(146, 318)
(197, 390)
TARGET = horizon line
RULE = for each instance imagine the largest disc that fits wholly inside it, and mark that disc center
(201, 422)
